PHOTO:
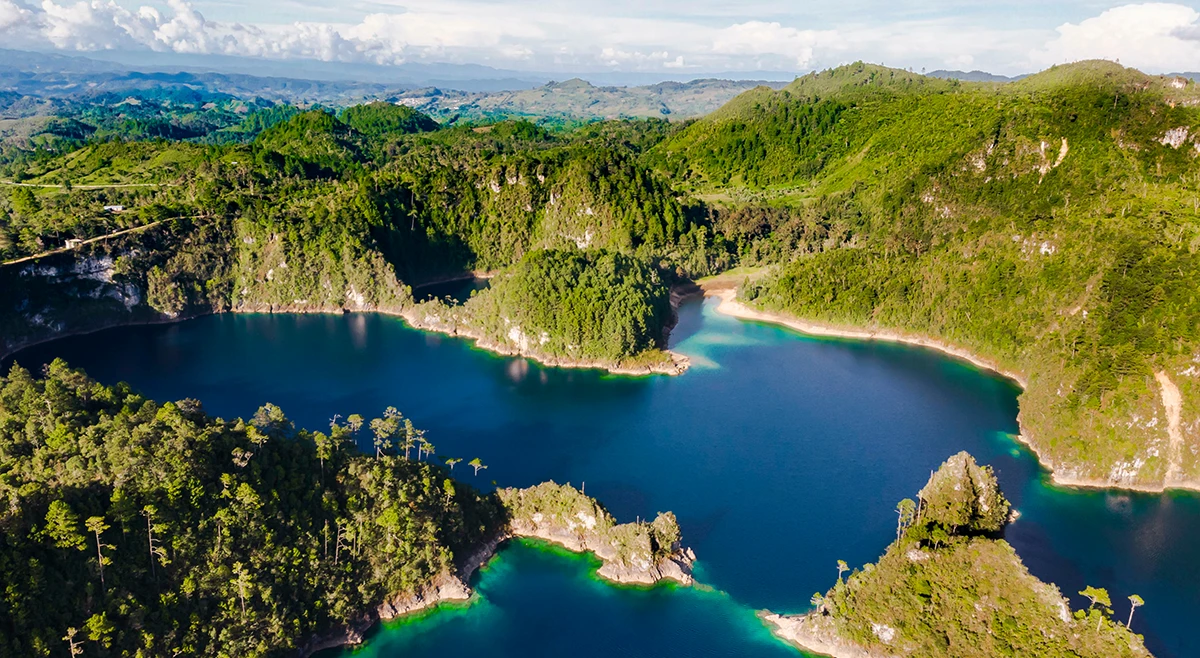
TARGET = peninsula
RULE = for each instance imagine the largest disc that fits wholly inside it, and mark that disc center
(137, 527)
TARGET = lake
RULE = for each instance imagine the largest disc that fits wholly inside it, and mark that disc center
(780, 454)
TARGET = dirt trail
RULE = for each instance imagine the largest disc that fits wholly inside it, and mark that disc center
(105, 186)
(98, 238)
(1173, 402)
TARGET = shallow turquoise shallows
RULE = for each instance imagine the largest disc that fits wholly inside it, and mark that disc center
(780, 454)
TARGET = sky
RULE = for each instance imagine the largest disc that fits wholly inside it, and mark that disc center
(667, 36)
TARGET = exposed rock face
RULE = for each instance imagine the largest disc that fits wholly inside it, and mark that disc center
(642, 553)
(627, 570)
(633, 553)
(446, 587)
(813, 633)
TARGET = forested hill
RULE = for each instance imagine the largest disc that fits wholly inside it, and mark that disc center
(328, 213)
(1050, 224)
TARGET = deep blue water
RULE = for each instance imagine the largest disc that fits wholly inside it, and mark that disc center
(779, 453)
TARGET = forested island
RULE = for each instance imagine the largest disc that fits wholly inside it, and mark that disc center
(138, 528)
(950, 586)
(1047, 225)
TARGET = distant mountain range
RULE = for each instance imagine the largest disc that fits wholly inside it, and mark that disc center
(464, 77)
(576, 99)
(39, 85)
(972, 76)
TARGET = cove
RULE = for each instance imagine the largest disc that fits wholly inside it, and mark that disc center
(779, 453)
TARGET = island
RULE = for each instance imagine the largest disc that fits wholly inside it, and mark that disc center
(950, 586)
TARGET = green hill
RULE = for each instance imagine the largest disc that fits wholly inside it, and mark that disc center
(380, 119)
(1049, 224)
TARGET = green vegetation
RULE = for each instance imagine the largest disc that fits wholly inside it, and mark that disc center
(1048, 225)
(316, 215)
(135, 528)
(381, 119)
(949, 587)
(562, 507)
(581, 305)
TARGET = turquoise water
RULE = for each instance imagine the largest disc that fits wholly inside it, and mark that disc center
(780, 454)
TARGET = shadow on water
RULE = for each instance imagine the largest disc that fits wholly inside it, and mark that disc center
(780, 454)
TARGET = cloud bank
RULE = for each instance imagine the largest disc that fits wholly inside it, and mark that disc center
(541, 35)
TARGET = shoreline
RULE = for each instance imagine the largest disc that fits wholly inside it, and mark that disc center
(730, 306)
(794, 630)
(678, 365)
(455, 588)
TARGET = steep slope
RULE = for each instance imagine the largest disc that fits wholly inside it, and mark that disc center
(1049, 225)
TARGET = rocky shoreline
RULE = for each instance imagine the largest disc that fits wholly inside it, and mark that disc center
(579, 535)
(807, 633)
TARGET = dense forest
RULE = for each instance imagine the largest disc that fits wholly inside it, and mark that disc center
(950, 587)
(1049, 225)
(138, 528)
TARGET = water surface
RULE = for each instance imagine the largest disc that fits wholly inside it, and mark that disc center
(780, 454)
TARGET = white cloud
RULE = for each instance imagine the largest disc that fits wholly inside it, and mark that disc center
(759, 38)
(548, 34)
(12, 15)
(1152, 36)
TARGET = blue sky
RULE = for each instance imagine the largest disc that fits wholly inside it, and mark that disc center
(626, 35)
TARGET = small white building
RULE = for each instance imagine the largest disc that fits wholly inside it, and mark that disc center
(74, 243)
(114, 208)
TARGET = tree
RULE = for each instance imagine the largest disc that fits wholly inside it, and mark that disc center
(383, 430)
(451, 462)
(906, 511)
(842, 567)
(156, 552)
(1134, 602)
(100, 629)
(325, 447)
(1097, 596)
(241, 579)
(354, 422)
(73, 646)
(62, 526)
(817, 599)
(96, 525)
(477, 464)
(24, 201)
(411, 436)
